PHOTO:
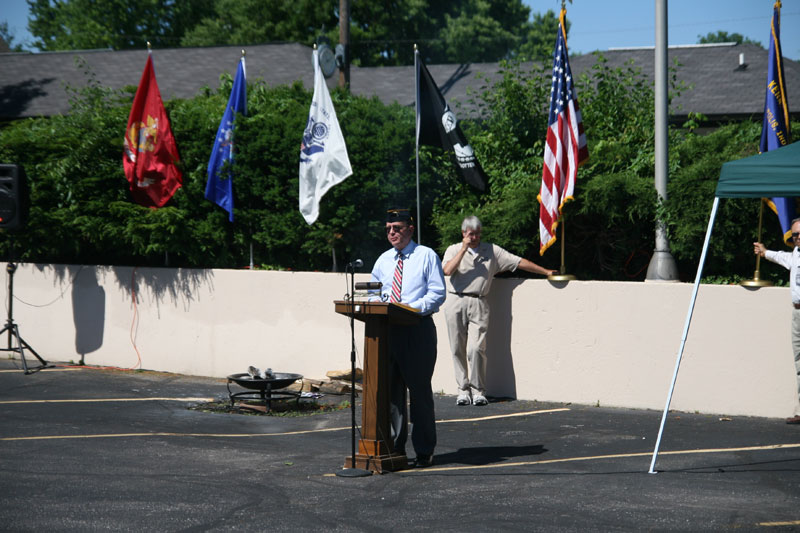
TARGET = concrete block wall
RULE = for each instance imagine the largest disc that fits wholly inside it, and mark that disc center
(587, 342)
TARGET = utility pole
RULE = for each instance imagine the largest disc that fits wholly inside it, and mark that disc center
(662, 265)
(344, 43)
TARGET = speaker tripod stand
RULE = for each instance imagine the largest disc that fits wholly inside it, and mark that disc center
(15, 341)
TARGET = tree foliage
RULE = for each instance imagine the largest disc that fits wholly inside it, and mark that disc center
(539, 37)
(258, 21)
(82, 212)
(382, 32)
(721, 36)
(7, 39)
(116, 24)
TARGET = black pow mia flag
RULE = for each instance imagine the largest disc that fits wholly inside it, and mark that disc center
(438, 126)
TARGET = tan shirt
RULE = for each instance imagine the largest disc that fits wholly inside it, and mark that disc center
(477, 268)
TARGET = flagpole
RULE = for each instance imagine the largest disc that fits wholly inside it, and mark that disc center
(757, 281)
(775, 132)
(416, 143)
(244, 71)
(562, 272)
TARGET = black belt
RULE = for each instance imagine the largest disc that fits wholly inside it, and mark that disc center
(796, 306)
(471, 295)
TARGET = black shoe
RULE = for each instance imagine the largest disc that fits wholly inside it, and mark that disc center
(423, 461)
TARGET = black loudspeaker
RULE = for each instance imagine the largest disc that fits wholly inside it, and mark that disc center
(13, 197)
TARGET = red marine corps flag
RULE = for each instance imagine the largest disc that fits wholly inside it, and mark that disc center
(150, 157)
(565, 148)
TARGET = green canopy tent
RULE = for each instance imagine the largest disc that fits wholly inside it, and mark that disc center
(772, 174)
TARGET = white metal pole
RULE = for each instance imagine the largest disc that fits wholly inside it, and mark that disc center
(685, 331)
(416, 144)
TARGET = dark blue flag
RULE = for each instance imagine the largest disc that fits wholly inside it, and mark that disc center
(775, 128)
(219, 188)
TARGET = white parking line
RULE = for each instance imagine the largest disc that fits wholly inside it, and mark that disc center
(91, 400)
(233, 435)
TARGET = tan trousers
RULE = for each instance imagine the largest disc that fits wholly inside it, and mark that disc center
(796, 352)
(467, 322)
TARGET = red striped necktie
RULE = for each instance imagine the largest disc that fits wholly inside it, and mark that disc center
(397, 281)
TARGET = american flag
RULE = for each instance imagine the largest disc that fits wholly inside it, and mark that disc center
(565, 149)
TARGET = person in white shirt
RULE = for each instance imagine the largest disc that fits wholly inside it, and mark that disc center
(790, 261)
(411, 274)
(471, 266)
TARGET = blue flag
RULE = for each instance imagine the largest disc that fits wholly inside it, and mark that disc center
(775, 128)
(219, 188)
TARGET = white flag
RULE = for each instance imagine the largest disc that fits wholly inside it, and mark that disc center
(323, 155)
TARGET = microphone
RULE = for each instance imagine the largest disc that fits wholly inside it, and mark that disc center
(369, 286)
(357, 263)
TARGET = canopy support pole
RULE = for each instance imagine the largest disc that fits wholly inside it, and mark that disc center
(685, 331)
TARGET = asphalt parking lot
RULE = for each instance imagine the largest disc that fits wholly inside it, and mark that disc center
(92, 449)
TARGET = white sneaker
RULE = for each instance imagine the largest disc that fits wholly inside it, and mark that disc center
(480, 399)
(463, 399)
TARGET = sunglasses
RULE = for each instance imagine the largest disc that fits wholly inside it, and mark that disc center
(397, 228)
(795, 235)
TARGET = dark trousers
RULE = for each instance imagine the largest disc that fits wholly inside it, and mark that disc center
(412, 353)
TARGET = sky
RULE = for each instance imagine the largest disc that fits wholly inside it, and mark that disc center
(605, 24)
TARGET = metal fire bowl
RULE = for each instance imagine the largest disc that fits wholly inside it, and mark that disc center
(279, 381)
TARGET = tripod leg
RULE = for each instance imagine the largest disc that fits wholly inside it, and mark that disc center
(30, 349)
(20, 344)
(14, 331)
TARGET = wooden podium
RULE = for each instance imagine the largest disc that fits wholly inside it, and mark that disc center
(375, 448)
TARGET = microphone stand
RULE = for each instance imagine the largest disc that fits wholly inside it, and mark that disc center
(352, 471)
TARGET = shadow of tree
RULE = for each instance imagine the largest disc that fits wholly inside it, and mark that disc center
(460, 73)
(175, 286)
(16, 97)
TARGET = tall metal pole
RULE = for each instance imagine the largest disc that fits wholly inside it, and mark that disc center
(416, 143)
(662, 265)
(344, 40)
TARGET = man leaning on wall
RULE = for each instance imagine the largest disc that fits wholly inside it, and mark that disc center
(471, 265)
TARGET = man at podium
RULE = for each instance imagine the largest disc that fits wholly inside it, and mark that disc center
(411, 274)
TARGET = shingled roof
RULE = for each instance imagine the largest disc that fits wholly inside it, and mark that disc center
(34, 84)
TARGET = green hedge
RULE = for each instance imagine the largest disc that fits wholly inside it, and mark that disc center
(81, 210)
